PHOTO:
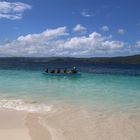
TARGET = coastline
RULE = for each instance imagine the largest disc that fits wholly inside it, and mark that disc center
(68, 123)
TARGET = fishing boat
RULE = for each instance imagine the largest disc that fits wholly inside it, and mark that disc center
(65, 72)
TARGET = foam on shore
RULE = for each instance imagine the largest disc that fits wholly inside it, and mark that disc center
(21, 105)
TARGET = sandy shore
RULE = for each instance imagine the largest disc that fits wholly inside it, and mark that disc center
(68, 123)
(12, 125)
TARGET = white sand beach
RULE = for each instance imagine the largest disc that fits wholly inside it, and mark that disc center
(12, 125)
(68, 123)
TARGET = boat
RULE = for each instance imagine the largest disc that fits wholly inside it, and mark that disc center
(62, 74)
(58, 72)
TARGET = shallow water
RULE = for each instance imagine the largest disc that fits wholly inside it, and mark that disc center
(101, 91)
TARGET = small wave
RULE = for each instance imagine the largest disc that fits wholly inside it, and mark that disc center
(21, 105)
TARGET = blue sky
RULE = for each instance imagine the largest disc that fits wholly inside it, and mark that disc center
(81, 28)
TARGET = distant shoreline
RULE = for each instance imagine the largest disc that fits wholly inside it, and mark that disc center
(134, 59)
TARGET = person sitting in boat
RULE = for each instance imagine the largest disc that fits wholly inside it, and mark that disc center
(65, 70)
(58, 71)
(52, 71)
(74, 70)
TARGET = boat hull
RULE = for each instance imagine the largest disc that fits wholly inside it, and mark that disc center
(63, 74)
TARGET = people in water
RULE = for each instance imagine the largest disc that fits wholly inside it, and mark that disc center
(65, 71)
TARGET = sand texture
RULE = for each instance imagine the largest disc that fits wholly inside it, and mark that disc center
(68, 123)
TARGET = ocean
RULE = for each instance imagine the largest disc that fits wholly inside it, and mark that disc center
(104, 87)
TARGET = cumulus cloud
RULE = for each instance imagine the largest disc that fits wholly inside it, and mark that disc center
(134, 48)
(105, 28)
(44, 36)
(137, 45)
(86, 13)
(121, 31)
(40, 44)
(57, 42)
(80, 29)
(91, 45)
(13, 10)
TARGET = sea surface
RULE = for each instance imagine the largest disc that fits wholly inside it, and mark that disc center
(105, 87)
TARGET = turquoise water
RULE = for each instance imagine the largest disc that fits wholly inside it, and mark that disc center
(94, 90)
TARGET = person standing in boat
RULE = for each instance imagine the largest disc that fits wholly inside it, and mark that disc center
(74, 70)
(47, 71)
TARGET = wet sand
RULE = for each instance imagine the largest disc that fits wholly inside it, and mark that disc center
(69, 123)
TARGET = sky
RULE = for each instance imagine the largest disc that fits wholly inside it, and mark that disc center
(73, 28)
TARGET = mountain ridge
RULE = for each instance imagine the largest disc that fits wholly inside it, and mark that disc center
(134, 59)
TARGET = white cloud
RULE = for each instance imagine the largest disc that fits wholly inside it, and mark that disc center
(79, 29)
(91, 45)
(86, 13)
(134, 48)
(44, 36)
(137, 45)
(13, 10)
(52, 43)
(105, 28)
(40, 44)
(121, 31)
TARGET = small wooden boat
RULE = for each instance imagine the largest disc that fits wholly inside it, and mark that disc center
(65, 72)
